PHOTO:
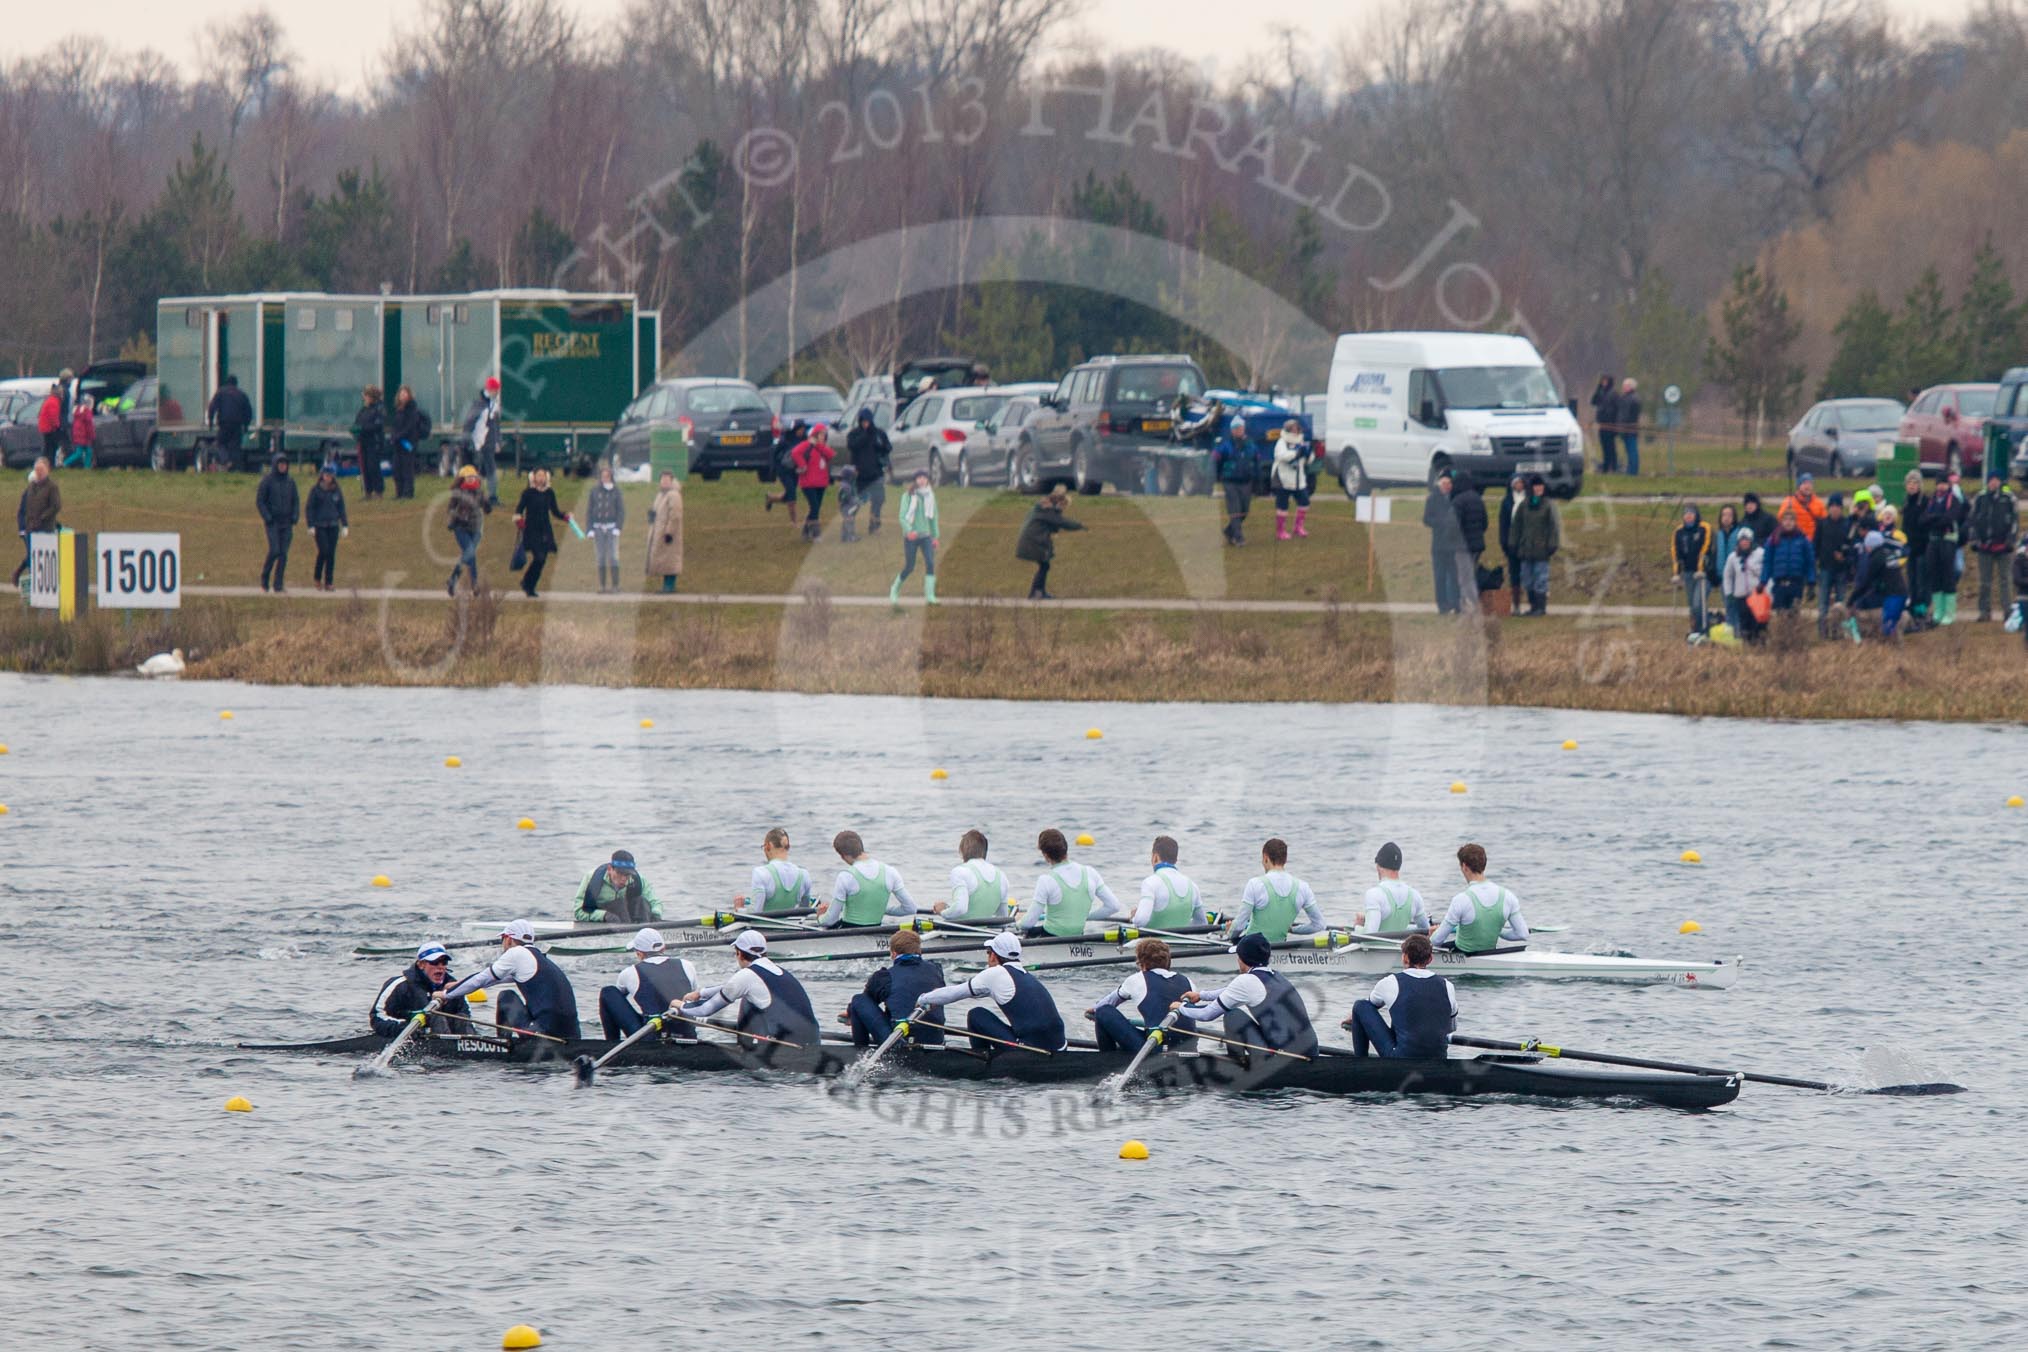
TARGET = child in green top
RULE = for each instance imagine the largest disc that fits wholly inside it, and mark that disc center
(918, 536)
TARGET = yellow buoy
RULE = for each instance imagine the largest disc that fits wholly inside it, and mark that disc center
(525, 824)
(1134, 1150)
(1457, 786)
(1092, 734)
(2015, 801)
(1692, 857)
(521, 1335)
(225, 714)
(647, 722)
(940, 773)
(3, 809)
(382, 880)
(236, 1104)
(1689, 927)
(1084, 838)
(3, 748)
(1570, 744)
(477, 997)
(452, 762)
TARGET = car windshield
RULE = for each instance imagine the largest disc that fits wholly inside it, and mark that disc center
(811, 401)
(724, 399)
(912, 378)
(1975, 403)
(975, 407)
(1497, 387)
(1156, 384)
(1870, 413)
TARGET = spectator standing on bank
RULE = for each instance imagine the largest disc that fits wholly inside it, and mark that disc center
(871, 453)
(49, 422)
(1471, 510)
(665, 532)
(1994, 526)
(1944, 518)
(229, 414)
(40, 506)
(1291, 478)
(533, 516)
(1740, 580)
(605, 515)
(919, 534)
(1517, 493)
(1628, 413)
(84, 433)
(482, 433)
(466, 517)
(1695, 564)
(408, 428)
(324, 514)
(1037, 544)
(1446, 542)
(1724, 530)
(1834, 547)
(813, 475)
(280, 506)
(369, 433)
(1538, 534)
(1789, 562)
(785, 468)
(1756, 518)
(1605, 412)
(1232, 464)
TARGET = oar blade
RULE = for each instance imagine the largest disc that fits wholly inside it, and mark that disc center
(1920, 1090)
(586, 1069)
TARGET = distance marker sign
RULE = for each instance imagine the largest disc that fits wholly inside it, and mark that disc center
(140, 571)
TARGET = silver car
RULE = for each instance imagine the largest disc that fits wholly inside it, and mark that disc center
(1841, 437)
(932, 432)
(991, 451)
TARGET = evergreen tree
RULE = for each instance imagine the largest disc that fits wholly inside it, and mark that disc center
(459, 271)
(1865, 362)
(1926, 348)
(351, 241)
(1005, 324)
(1750, 354)
(1663, 341)
(1988, 332)
(197, 214)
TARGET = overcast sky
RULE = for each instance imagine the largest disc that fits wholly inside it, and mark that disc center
(340, 41)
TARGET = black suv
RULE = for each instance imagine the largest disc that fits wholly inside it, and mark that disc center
(1112, 420)
(729, 425)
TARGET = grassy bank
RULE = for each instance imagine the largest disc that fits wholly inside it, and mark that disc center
(1965, 673)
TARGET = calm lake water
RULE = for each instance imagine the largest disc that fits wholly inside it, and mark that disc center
(171, 883)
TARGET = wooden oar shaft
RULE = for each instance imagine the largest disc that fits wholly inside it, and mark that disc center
(727, 1028)
(1248, 1046)
(1639, 1063)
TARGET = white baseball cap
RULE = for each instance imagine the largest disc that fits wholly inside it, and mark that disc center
(432, 953)
(1005, 944)
(648, 941)
(750, 942)
(518, 930)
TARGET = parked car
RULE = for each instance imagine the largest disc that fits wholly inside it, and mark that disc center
(1840, 437)
(125, 426)
(994, 448)
(1947, 424)
(124, 404)
(20, 441)
(1405, 406)
(728, 423)
(2007, 426)
(1112, 420)
(811, 403)
(912, 378)
(1265, 417)
(932, 433)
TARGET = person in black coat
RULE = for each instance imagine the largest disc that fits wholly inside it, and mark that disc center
(1517, 492)
(280, 507)
(870, 452)
(532, 515)
(369, 431)
(1472, 524)
(408, 993)
(785, 468)
(1446, 544)
(229, 414)
(325, 516)
(408, 427)
(1605, 417)
(1037, 544)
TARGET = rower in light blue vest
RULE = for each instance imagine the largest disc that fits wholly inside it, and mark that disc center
(1026, 1013)
(1484, 916)
(1258, 1007)
(777, 885)
(979, 890)
(1411, 1013)
(1392, 906)
(541, 1000)
(1168, 899)
(646, 989)
(772, 1004)
(1150, 994)
(1067, 894)
(892, 994)
(1277, 903)
(867, 892)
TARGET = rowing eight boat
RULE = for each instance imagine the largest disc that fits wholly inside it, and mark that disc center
(1165, 1072)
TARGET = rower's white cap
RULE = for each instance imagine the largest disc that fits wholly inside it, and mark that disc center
(518, 930)
(648, 941)
(750, 942)
(1005, 944)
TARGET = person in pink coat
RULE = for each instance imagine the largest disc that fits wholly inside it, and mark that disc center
(812, 460)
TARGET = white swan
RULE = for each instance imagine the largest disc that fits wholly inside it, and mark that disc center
(163, 664)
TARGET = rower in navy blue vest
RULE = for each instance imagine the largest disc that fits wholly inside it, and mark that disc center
(1411, 1012)
(772, 1004)
(408, 993)
(1258, 1007)
(1152, 991)
(541, 1000)
(892, 994)
(1026, 1013)
(652, 983)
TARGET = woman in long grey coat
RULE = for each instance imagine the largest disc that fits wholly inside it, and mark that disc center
(665, 532)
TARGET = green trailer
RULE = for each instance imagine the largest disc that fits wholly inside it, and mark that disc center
(567, 364)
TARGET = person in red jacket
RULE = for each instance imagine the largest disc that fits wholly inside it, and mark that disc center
(49, 422)
(812, 460)
(83, 432)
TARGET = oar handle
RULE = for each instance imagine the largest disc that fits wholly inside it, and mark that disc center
(983, 1037)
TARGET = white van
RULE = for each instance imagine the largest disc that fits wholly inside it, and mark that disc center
(1404, 405)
